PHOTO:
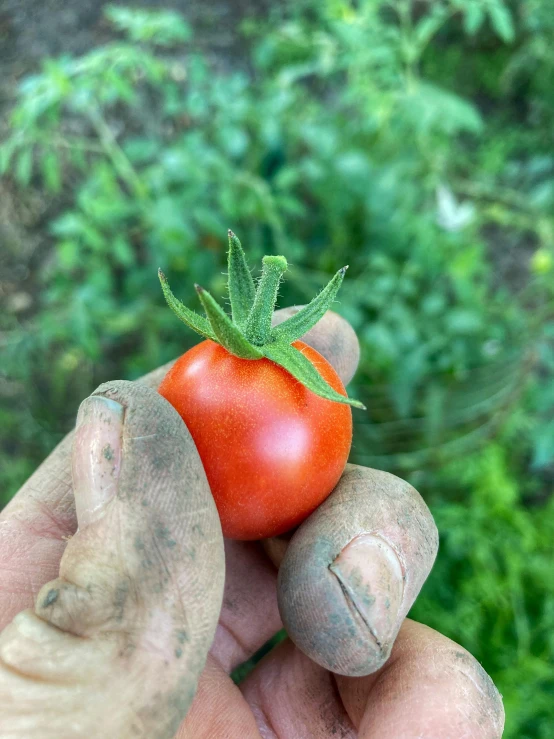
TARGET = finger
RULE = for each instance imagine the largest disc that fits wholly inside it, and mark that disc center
(35, 525)
(115, 645)
(291, 696)
(333, 337)
(219, 710)
(353, 570)
(249, 617)
(154, 378)
(430, 688)
(39, 519)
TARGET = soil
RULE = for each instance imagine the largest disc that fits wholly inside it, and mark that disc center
(31, 30)
(34, 30)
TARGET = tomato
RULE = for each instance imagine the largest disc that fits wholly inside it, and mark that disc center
(272, 449)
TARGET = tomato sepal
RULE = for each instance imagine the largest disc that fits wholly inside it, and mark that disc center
(291, 359)
(300, 323)
(226, 332)
(197, 323)
(240, 282)
(248, 333)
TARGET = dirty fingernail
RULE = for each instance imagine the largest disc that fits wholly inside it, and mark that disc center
(96, 456)
(371, 576)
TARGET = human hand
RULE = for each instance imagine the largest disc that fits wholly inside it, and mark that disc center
(116, 644)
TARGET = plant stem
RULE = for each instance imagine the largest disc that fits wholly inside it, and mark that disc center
(258, 325)
(120, 161)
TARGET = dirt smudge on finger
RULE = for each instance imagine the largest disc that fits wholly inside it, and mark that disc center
(51, 597)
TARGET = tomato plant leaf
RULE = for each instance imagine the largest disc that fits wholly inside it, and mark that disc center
(240, 282)
(304, 371)
(193, 320)
(225, 331)
(306, 318)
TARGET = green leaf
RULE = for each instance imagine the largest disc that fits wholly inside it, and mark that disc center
(303, 370)
(24, 166)
(190, 318)
(122, 251)
(240, 283)
(501, 21)
(68, 224)
(473, 18)
(225, 331)
(306, 318)
(429, 25)
(432, 109)
(543, 452)
(161, 27)
(50, 166)
(6, 152)
(68, 254)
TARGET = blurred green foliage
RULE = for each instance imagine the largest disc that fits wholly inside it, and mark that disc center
(410, 140)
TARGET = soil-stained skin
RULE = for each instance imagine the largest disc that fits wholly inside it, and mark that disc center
(344, 590)
(115, 645)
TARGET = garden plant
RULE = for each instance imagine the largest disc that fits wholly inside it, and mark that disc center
(409, 140)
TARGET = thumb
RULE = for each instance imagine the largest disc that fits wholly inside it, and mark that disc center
(115, 645)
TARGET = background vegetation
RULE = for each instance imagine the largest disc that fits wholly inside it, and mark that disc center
(412, 140)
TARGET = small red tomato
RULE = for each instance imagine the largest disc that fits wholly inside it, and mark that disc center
(272, 449)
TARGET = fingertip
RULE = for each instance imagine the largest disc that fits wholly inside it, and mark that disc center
(353, 569)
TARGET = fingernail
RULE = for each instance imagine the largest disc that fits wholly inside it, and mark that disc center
(371, 575)
(96, 456)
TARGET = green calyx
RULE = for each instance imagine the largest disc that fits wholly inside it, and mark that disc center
(248, 333)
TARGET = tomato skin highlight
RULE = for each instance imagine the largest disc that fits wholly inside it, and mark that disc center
(272, 449)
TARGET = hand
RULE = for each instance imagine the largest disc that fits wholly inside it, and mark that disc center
(116, 643)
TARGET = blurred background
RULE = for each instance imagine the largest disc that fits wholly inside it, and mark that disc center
(412, 140)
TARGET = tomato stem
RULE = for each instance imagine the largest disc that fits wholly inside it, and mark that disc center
(258, 325)
(248, 334)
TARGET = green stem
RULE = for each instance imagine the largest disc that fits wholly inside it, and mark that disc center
(121, 163)
(258, 325)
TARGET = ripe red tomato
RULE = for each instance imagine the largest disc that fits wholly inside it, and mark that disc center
(271, 448)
